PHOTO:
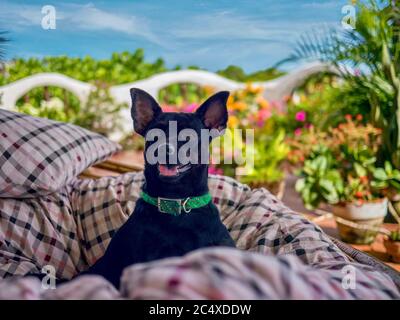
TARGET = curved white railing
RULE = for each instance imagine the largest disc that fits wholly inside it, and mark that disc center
(10, 93)
(159, 81)
(273, 90)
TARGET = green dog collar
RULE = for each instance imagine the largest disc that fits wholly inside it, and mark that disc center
(176, 206)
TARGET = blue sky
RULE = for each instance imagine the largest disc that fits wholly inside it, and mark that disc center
(212, 34)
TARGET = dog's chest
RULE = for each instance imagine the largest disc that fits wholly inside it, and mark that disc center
(186, 232)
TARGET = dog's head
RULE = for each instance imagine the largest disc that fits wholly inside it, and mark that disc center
(176, 148)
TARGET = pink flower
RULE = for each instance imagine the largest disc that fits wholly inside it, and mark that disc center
(300, 116)
(214, 170)
(357, 72)
(190, 108)
(168, 108)
(262, 116)
(278, 105)
(260, 123)
(297, 132)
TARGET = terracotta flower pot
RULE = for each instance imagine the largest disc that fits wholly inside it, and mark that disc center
(368, 214)
(393, 249)
(276, 188)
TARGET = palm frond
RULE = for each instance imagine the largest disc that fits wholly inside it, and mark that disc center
(374, 48)
(315, 45)
(356, 47)
(3, 41)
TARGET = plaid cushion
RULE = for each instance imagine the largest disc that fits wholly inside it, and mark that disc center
(257, 221)
(291, 258)
(37, 232)
(225, 273)
(39, 156)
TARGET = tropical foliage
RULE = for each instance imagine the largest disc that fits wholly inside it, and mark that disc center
(3, 40)
(120, 68)
(372, 50)
(238, 74)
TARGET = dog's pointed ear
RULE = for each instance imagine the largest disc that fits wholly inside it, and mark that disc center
(213, 112)
(144, 110)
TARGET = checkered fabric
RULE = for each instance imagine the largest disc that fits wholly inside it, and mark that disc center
(283, 255)
(256, 220)
(37, 232)
(39, 156)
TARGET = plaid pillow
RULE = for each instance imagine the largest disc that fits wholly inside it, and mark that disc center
(39, 156)
(37, 232)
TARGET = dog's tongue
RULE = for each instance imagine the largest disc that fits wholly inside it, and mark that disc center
(168, 172)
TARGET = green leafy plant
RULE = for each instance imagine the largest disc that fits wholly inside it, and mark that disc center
(386, 177)
(395, 235)
(373, 50)
(321, 180)
(238, 74)
(270, 153)
(343, 167)
(248, 109)
(99, 114)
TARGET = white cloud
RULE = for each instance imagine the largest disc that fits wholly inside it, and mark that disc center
(323, 5)
(232, 26)
(88, 17)
(232, 37)
(77, 17)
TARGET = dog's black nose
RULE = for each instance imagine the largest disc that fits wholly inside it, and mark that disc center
(166, 151)
(166, 148)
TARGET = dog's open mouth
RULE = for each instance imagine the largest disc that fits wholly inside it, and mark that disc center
(172, 171)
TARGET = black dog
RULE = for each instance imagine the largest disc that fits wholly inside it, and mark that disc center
(175, 214)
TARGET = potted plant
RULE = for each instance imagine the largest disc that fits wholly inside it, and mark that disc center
(392, 245)
(392, 241)
(342, 171)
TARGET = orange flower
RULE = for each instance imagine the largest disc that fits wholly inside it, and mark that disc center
(239, 106)
(262, 102)
(230, 100)
(359, 117)
(253, 89)
(209, 90)
(359, 194)
(233, 122)
(364, 179)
